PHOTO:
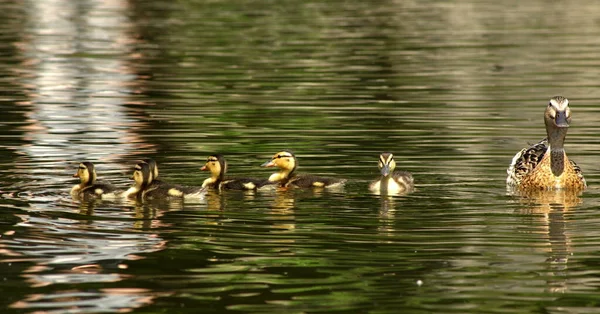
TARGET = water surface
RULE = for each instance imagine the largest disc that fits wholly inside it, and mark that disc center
(453, 90)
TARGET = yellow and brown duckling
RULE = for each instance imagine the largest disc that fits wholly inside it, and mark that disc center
(217, 165)
(147, 187)
(153, 167)
(391, 182)
(89, 186)
(545, 165)
(135, 190)
(287, 163)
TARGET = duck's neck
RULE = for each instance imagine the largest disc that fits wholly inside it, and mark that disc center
(283, 174)
(131, 192)
(556, 139)
(385, 181)
(215, 180)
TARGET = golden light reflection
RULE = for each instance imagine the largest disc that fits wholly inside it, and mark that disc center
(549, 209)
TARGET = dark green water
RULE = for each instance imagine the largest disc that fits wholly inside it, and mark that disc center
(454, 90)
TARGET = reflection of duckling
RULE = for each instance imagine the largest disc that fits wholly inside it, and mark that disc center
(147, 188)
(218, 167)
(89, 187)
(391, 181)
(545, 165)
(287, 163)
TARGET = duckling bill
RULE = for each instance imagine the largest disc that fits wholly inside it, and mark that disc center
(391, 182)
(287, 163)
(217, 165)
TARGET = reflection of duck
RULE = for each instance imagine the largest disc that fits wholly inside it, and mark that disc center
(547, 209)
(217, 166)
(545, 165)
(147, 188)
(545, 201)
(287, 164)
(89, 187)
(391, 181)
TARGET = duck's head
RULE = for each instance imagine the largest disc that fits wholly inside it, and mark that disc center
(86, 173)
(142, 175)
(153, 167)
(558, 114)
(285, 161)
(387, 164)
(557, 118)
(217, 166)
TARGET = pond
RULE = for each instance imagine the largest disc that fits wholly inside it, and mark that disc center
(454, 90)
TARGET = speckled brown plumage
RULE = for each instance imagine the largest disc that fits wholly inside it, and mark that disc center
(545, 165)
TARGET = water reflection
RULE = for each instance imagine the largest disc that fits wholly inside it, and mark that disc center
(75, 91)
(340, 81)
(77, 80)
(89, 301)
(76, 251)
(551, 207)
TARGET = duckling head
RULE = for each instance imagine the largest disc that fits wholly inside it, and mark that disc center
(153, 167)
(285, 161)
(142, 176)
(217, 166)
(387, 164)
(86, 173)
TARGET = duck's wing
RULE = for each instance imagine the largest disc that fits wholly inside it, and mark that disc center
(578, 172)
(310, 181)
(404, 178)
(243, 183)
(525, 161)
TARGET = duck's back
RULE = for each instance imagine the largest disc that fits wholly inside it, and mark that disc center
(97, 189)
(243, 184)
(525, 161)
(310, 181)
(162, 190)
(531, 168)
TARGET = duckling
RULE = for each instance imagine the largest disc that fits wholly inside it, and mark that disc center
(153, 167)
(89, 186)
(391, 181)
(134, 190)
(545, 165)
(287, 163)
(217, 166)
(146, 187)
